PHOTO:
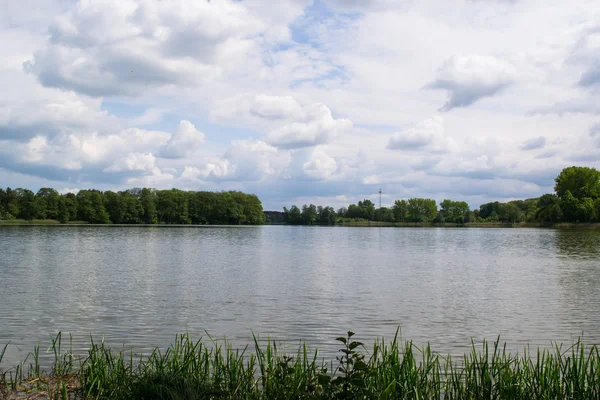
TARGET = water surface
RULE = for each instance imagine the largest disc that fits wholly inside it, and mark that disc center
(139, 286)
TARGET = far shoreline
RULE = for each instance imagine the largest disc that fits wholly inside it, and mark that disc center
(354, 224)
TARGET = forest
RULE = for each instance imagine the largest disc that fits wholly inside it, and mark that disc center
(576, 200)
(134, 206)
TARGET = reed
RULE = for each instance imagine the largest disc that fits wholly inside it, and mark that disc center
(214, 369)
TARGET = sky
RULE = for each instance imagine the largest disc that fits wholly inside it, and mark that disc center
(300, 101)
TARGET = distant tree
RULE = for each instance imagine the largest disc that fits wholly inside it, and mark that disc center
(421, 210)
(580, 181)
(569, 206)
(29, 206)
(326, 215)
(90, 207)
(549, 209)
(585, 210)
(384, 214)
(148, 200)
(367, 209)
(309, 214)
(400, 210)
(48, 200)
(453, 211)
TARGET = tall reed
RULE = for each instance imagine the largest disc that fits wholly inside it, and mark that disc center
(214, 369)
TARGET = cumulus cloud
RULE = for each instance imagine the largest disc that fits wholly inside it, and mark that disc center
(289, 125)
(316, 127)
(245, 160)
(142, 162)
(26, 110)
(470, 78)
(320, 165)
(183, 142)
(534, 143)
(114, 157)
(105, 48)
(260, 111)
(427, 134)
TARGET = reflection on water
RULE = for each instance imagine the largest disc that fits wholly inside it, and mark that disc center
(140, 286)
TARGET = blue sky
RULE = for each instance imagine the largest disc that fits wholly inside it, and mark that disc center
(300, 101)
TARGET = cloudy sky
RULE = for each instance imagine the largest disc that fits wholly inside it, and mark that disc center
(300, 101)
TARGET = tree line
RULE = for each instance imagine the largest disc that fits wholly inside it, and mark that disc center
(416, 210)
(576, 199)
(134, 206)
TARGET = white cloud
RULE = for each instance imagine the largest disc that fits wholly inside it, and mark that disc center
(428, 135)
(183, 142)
(289, 125)
(316, 127)
(142, 162)
(470, 78)
(260, 111)
(320, 165)
(103, 48)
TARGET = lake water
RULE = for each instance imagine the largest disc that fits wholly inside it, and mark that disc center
(139, 286)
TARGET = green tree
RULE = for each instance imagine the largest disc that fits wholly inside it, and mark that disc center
(326, 215)
(90, 207)
(384, 214)
(309, 214)
(48, 203)
(421, 210)
(453, 211)
(148, 200)
(29, 206)
(549, 210)
(172, 206)
(69, 212)
(293, 216)
(511, 212)
(400, 210)
(581, 182)
(585, 210)
(569, 206)
(11, 204)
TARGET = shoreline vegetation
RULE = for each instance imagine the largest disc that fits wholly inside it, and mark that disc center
(214, 369)
(348, 223)
(575, 203)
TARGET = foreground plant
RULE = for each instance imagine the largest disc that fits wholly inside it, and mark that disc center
(191, 369)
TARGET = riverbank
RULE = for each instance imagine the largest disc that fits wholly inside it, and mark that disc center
(355, 223)
(439, 225)
(213, 369)
(22, 222)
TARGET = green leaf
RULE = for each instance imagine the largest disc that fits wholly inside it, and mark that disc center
(341, 339)
(324, 379)
(354, 345)
(350, 334)
(360, 365)
(358, 382)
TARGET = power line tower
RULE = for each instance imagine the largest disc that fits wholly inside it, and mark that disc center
(380, 197)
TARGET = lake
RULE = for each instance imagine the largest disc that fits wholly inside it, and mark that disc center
(139, 286)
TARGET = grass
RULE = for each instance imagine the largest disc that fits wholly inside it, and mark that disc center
(195, 369)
